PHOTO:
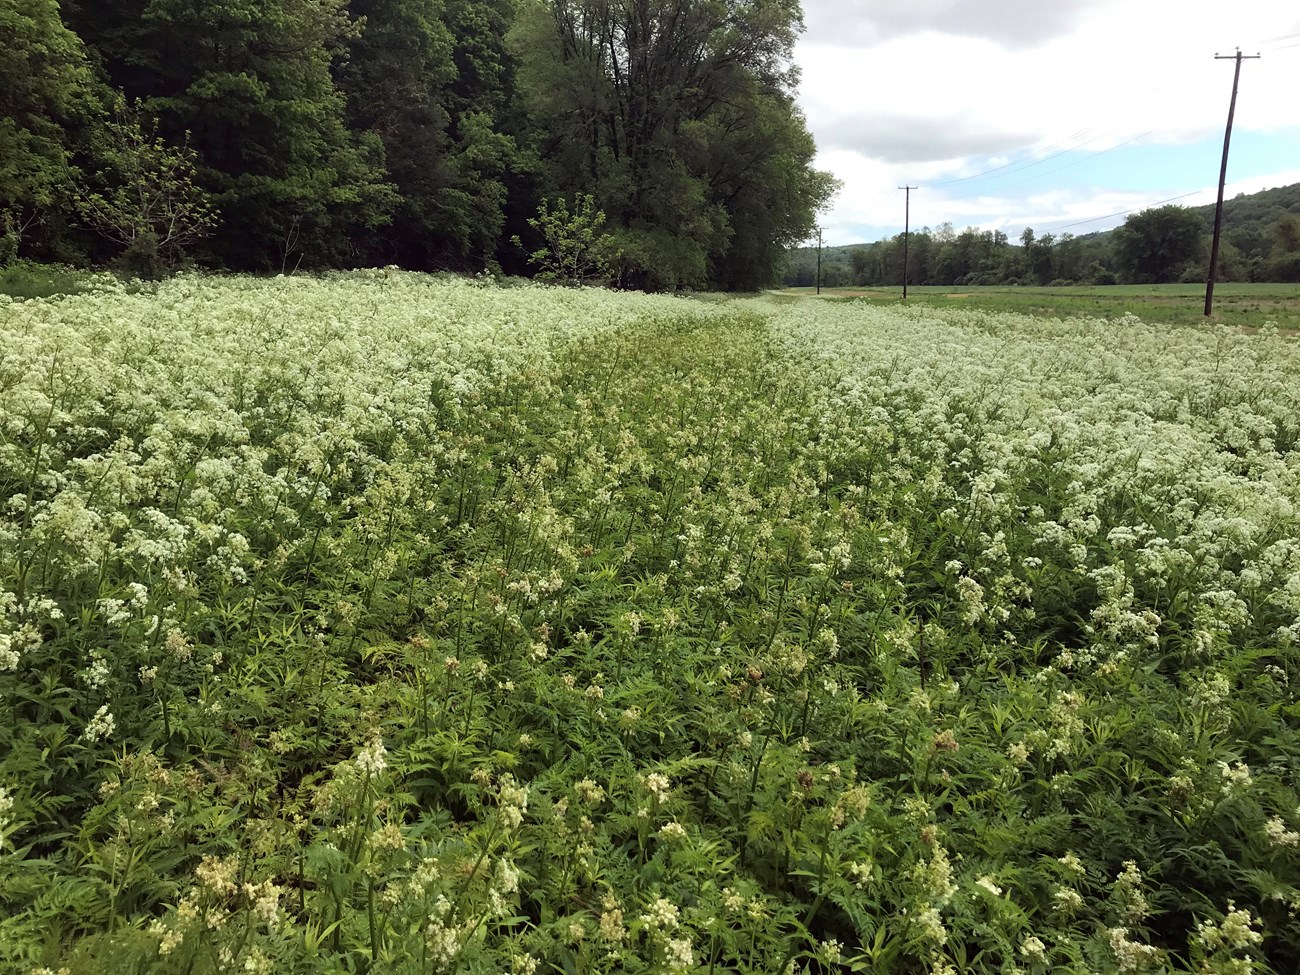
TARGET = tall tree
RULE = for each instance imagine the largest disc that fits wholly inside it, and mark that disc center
(49, 107)
(1041, 259)
(1284, 262)
(1156, 245)
(679, 116)
(395, 80)
(250, 80)
(431, 80)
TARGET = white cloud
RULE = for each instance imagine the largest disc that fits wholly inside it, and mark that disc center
(1011, 22)
(910, 92)
(906, 139)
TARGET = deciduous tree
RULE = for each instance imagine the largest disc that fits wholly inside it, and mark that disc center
(149, 202)
(49, 105)
(678, 115)
(1156, 245)
(251, 80)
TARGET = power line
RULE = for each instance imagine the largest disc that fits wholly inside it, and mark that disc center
(1030, 164)
(1017, 162)
(1119, 213)
(1075, 162)
(1056, 150)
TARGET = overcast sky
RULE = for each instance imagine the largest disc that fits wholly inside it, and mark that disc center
(1043, 113)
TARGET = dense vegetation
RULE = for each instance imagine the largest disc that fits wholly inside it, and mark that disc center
(570, 631)
(277, 134)
(1261, 242)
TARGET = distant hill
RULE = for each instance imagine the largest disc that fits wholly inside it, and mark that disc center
(1247, 217)
(1260, 244)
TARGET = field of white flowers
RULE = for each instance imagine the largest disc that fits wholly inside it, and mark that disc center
(388, 624)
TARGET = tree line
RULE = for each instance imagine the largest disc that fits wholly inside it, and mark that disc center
(269, 135)
(1261, 242)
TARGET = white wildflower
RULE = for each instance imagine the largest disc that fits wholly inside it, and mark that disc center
(370, 757)
(100, 726)
(1071, 863)
(1067, 900)
(929, 925)
(1277, 833)
(512, 799)
(1128, 887)
(6, 808)
(1236, 932)
(1236, 778)
(678, 955)
(1131, 956)
(9, 657)
(672, 832)
(657, 785)
(1034, 950)
(662, 915)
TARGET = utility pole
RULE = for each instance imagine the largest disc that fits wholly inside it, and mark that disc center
(819, 260)
(907, 219)
(1223, 176)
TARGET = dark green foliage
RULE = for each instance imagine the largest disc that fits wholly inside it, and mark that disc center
(251, 83)
(423, 133)
(48, 103)
(1284, 258)
(429, 80)
(679, 118)
(944, 256)
(1248, 220)
(1284, 267)
(1157, 245)
(23, 280)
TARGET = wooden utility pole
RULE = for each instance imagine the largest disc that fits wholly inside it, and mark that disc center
(1223, 176)
(907, 219)
(819, 260)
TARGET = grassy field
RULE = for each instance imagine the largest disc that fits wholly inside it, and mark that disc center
(1246, 305)
(388, 624)
(24, 280)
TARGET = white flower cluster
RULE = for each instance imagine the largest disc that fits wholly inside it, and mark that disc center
(9, 657)
(371, 757)
(512, 799)
(1235, 778)
(1131, 956)
(657, 785)
(1277, 833)
(1128, 891)
(100, 726)
(672, 832)
(1204, 444)
(1236, 932)
(662, 915)
(935, 875)
(6, 808)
